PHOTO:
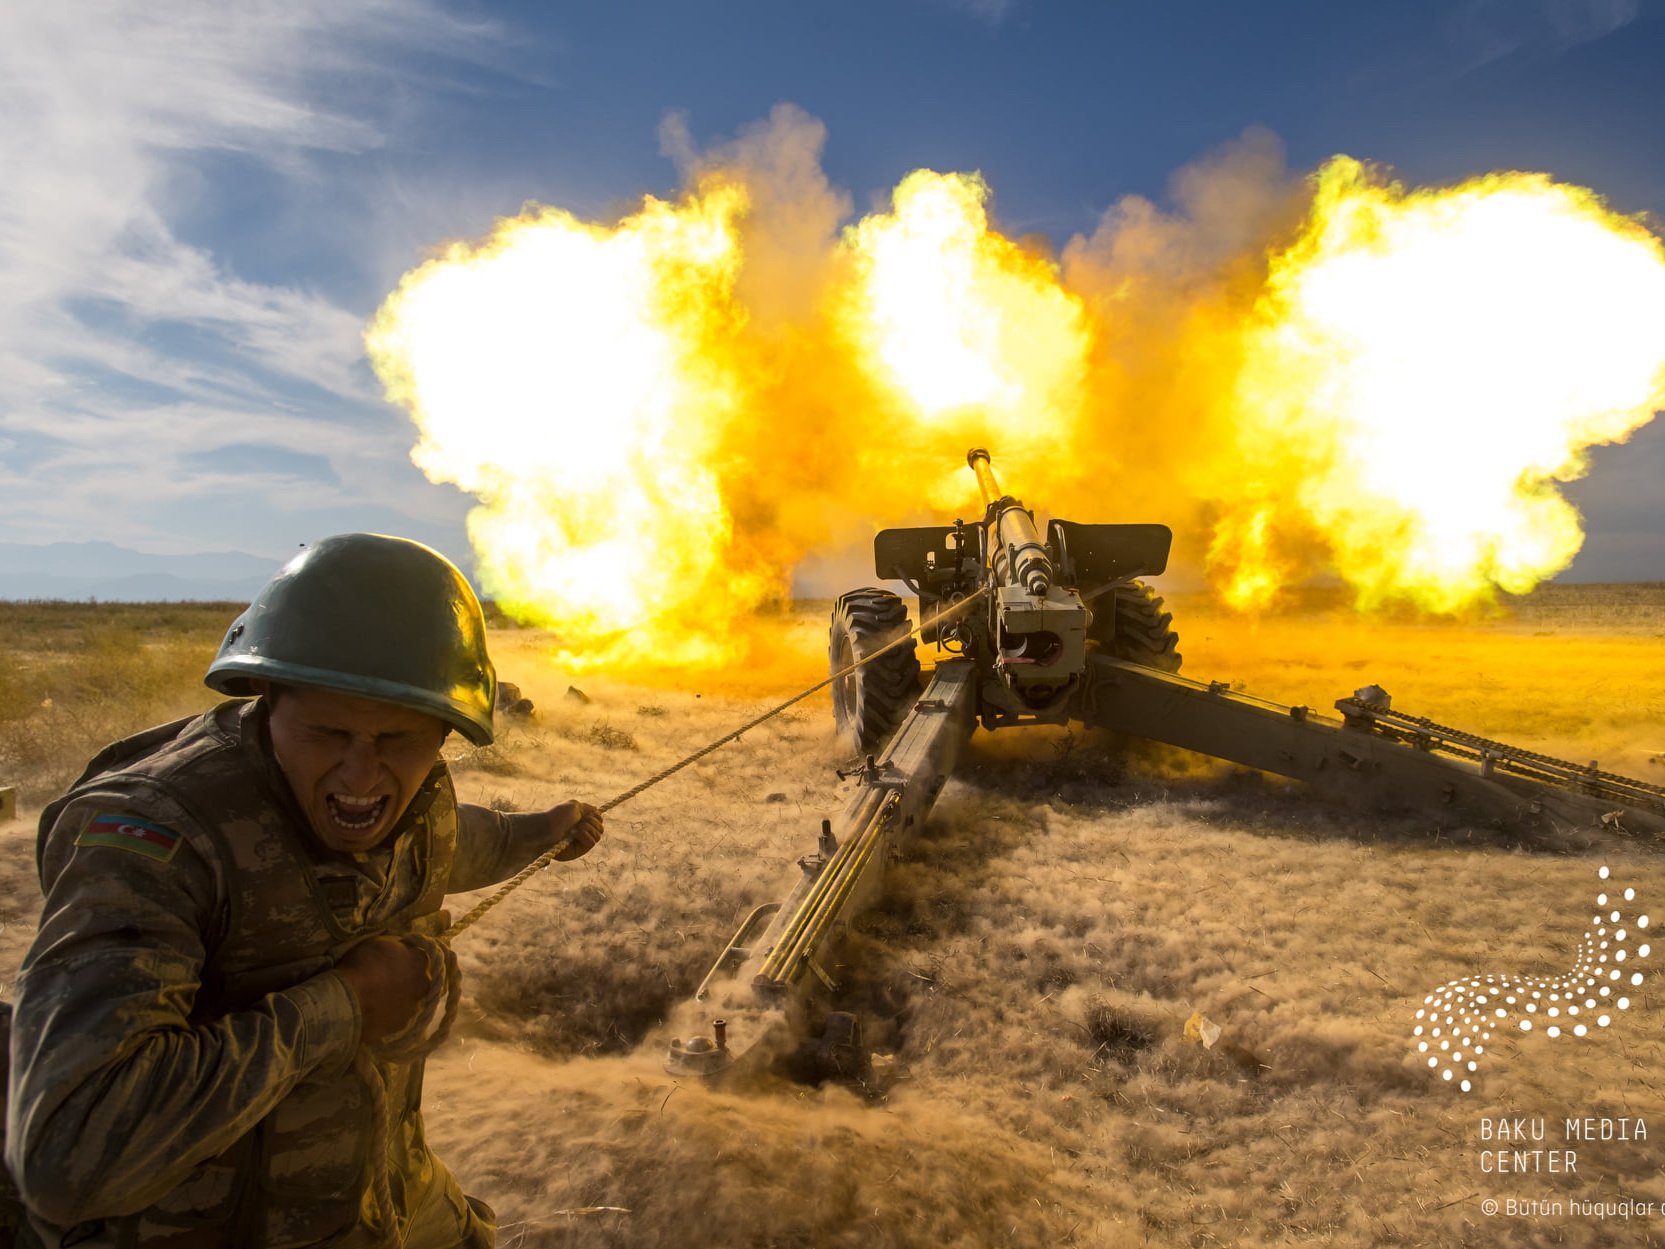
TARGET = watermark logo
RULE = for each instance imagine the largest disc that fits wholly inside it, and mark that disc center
(1458, 1019)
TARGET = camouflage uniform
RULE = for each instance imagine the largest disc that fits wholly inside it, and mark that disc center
(182, 1051)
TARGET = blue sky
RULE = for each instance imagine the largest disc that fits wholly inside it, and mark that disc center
(203, 203)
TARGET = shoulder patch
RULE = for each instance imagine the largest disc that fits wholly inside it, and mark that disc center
(124, 832)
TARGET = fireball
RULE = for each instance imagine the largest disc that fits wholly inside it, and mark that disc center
(571, 378)
(660, 418)
(1421, 371)
(971, 337)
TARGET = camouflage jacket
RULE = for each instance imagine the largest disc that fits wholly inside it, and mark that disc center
(182, 1049)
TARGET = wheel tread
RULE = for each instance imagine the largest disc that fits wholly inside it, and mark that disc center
(871, 703)
(1138, 629)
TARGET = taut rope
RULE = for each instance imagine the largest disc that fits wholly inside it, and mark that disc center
(549, 856)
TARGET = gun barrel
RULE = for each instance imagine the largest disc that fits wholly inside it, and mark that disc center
(1020, 556)
(978, 458)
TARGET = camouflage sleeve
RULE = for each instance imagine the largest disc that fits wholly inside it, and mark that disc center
(492, 846)
(117, 1092)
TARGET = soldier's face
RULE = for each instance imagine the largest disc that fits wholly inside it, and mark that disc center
(354, 764)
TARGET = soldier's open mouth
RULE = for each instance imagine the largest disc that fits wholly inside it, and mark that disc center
(355, 814)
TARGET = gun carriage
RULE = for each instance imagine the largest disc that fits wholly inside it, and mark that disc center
(1027, 630)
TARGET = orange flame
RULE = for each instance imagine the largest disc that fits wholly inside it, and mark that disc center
(1420, 371)
(570, 377)
(970, 337)
(661, 418)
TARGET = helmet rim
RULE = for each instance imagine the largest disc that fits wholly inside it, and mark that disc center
(236, 677)
(372, 616)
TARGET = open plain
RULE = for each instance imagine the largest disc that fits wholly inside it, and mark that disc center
(1075, 900)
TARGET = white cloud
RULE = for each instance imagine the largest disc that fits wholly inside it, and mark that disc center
(1579, 21)
(990, 12)
(1486, 30)
(105, 300)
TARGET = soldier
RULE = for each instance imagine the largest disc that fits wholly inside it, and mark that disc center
(219, 1029)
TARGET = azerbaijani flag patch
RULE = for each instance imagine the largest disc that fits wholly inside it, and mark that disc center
(124, 832)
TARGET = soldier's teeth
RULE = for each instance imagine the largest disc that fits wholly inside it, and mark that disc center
(355, 813)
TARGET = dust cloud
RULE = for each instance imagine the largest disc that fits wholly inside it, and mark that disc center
(1074, 901)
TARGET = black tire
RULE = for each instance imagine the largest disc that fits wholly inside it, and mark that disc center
(869, 703)
(1135, 627)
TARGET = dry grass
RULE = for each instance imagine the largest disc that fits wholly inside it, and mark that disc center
(78, 676)
(1071, 905)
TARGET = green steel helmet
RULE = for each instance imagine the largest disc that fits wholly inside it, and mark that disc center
(377, 617)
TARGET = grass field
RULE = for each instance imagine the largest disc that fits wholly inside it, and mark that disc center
(1072, 904)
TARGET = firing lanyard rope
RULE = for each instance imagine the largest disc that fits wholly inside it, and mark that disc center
(549, 856)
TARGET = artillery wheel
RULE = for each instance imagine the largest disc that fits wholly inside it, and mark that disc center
(869, 703)
(1137, 629)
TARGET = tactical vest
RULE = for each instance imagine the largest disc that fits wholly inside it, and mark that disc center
(301, 1176)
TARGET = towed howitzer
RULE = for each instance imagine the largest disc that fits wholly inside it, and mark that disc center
(1054, 631)
(1028, 637)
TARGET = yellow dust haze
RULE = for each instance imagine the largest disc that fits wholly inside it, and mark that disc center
(1420, 370)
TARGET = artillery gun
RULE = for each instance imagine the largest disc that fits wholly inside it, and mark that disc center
(1054, 631)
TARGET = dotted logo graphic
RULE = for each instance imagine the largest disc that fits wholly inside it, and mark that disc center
(1457, 1020)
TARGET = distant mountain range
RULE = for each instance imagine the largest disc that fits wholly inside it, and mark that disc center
(111, 573)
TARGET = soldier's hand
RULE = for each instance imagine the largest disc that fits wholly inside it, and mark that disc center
(389, 979)
(576, 820)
